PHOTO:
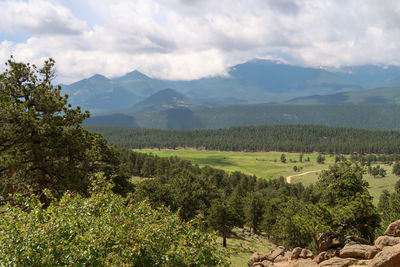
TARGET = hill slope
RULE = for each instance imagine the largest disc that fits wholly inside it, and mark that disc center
(390, 95)
(366, 116)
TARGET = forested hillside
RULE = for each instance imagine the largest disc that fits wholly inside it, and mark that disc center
(364, 116)
(289, 138)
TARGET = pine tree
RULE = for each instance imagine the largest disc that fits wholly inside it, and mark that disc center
(42, 144)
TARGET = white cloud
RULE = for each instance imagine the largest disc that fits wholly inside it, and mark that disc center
(38, 17)
(187, 39)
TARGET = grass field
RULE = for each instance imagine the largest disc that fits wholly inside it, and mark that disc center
(261, 164)
(268, 165)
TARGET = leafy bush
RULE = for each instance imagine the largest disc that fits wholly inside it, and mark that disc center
(102, 230)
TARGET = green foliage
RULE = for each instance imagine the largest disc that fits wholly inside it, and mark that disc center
(102, 230)
(41, 141)
(221, 217)
(283, 158)
(320, 159)
(396, 169)
(284, 138)
(254, 210)
(343, 193)
(377, 171)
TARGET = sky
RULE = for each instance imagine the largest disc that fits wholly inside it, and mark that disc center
(190, 39)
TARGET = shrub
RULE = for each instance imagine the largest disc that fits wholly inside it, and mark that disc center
(104, 229)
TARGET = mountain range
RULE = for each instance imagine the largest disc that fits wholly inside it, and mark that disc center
(254, 82)
(253, 93)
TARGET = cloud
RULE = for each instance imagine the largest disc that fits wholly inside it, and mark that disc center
(188, 39)
(38, 17)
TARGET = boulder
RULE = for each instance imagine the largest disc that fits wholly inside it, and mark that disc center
(337, 262)
(305, 263)
(358, 251)
(385, 241)
(275, 253)
(253, 259)
(283, 258)
(306, 254)
(296, 253)
(393, 229)
(331, 242)
(388, 257)
(326, 255)
(351, 239)
(266, 263)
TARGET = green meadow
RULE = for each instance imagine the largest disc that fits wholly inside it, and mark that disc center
(268, 165)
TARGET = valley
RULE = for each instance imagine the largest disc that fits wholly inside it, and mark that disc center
(267, 165)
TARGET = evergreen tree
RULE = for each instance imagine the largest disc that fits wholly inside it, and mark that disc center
(396, 169)
(42, 144)
(283, 158)
(221, 217)
(254, 210)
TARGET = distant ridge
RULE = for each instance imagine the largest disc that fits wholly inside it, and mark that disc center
(254, 82)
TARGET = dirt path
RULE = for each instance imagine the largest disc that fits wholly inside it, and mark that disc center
(289, 178)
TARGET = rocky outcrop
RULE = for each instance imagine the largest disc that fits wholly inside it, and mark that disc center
(360, 251)
(296, 253)
(388, 257)
(337, 262)
(326, 255)
(385, 241)
(279, 251)
(351, 239)
(393, 229)
(349, 251)
(253, 259)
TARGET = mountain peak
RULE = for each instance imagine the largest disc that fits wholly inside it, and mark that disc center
(98, 77)
(135, 75)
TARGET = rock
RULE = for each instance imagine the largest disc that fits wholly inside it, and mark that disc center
(326, 255)
(306, 254)
(384, 241)
(253, 259)
(284, 257)
(296, 253)
(296, 263)
(393, 229)
(358, 251)
(351, 239)
(266, 263)
(275, 253)
(331, 242)
(337, 262)
(388, 257)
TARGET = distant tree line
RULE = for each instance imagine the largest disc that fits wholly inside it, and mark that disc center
(285, 138)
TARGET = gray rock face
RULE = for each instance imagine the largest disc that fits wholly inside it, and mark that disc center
(389, 257)
(393, 229)
(358, 251)
(385, 241)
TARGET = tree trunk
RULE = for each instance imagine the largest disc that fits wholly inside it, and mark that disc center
(224, 240)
